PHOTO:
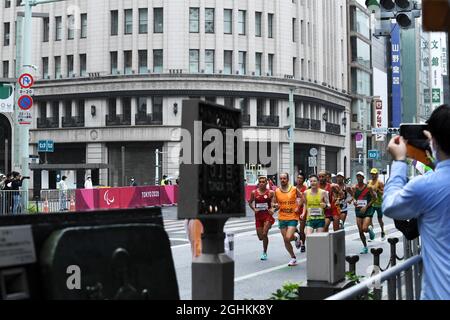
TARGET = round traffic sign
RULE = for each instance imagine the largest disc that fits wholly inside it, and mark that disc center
(313, 152)
(25, 102)
(26, 81)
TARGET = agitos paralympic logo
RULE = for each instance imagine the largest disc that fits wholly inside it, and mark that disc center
(109, 201)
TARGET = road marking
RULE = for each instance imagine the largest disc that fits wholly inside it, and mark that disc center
(258, 273)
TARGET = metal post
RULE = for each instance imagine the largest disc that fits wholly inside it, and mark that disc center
(376, 263)
(6, 156)
(213, 270)
(365, 140)
(292, 133)
(352, 260)
(393, 261)
(157, 167)
(123, 165)
(417, 270)
(408, 273)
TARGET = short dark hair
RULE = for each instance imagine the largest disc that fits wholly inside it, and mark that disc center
(439, 126)
(313, 176)
(301, 175)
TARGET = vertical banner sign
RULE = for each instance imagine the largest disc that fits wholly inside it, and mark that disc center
(396, 80)
(359, 138)
(378, 118)
(6, 98)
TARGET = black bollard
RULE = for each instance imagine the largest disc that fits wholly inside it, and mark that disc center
(393, 261)
(352, 260)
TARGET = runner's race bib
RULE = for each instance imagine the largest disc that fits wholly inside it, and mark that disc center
(361, 203)
(262, 207)
(314, 212)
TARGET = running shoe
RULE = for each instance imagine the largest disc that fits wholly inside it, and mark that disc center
(364, 250)
(303, 249)
(298, 242)
(293, 262)
(264, 256)
(371, 234)
(383, 236)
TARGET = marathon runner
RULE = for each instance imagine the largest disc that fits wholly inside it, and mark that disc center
(332, 213)
(316, 201)
(285, 201)
(378, 188)
(302, 187)
(345, 198)
(261, 204)
(363, 199)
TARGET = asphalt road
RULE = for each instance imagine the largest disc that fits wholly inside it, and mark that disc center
(256, 279)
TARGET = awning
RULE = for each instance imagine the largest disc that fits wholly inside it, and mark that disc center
(76, 166)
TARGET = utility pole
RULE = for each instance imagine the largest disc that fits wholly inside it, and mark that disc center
(291, 134)
(23, 58)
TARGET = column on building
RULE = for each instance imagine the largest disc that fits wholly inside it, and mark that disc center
(322, 159)
(134, 102)
(253, 112)
(98, 153)
(285, 157)
(171, 159)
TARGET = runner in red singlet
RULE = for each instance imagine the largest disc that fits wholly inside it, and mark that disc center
(261, 203)
(302, 187)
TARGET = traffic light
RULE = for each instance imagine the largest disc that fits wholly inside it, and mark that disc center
(405, 16)
(394, 131)
(387, 5)
(403, 11)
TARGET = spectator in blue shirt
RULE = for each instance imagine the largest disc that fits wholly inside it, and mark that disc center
(426, 198)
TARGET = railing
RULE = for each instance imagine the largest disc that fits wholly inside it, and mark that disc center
(245, 119)
(13, 202)
(52, 122)
(118, 120)
(72, 122)
(407, 276)
(301, 123)
(268, 121)
(148, 119)
(333, 128)
(315, 125)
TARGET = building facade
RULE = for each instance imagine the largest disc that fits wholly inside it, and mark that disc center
(112, 75)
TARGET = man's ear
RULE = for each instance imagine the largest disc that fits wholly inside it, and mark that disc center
(428, 134)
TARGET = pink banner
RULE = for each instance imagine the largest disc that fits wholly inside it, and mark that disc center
(125, 198)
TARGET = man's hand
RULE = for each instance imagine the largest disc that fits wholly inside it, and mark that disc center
(397, 148)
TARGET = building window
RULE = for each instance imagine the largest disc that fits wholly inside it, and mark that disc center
(70, 71)
(242, 18)
(294, 67)
(112, 106)
(83, 25)
(193, 61)
(113, 59)
(228, 21)
(228, 62)
(114, 22)
(194, 20)
(80, 108)
(157, 105)
(158, 20)
(209, 61)
(258, 24)
(228, 102)
(360, 52)
(45, 67)
(128, 61)
(242, 62)
(70, 27)
(209, 20)
(57, 67)
(7, 3)
(273, 104)
(143, 61)
(5, 69)
(294, 28)
(143, 20)
(158, 61)
(68, 109)
(128, 27)
(258, 64)
(83, 64)
(260, 107)
(58, 28)
(270, 25)
(46, 29)
(270, 65)
(6, 35)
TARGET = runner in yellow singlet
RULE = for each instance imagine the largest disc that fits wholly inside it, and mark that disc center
(285, 200)
(316, 201)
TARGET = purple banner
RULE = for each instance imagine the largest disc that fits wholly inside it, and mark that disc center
(396, 79)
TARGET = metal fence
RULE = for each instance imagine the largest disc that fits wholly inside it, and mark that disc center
(13, 202)
(394, 282)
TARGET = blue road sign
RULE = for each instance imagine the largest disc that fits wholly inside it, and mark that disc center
(373, 154)
(46, 146)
